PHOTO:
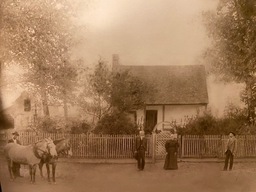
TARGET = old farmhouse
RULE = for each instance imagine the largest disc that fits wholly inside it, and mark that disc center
(25, 109)
(180, 93)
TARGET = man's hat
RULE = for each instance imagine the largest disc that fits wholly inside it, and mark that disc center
(232, 133)
(15, 133)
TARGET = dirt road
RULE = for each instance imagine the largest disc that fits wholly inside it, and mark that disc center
(78, 177)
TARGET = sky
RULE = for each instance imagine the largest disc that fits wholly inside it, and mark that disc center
(153, 32)
(149, 32)
(145, 32)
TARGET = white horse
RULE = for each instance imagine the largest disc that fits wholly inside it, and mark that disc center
(29, 155)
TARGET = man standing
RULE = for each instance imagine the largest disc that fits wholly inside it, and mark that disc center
(230, 151)
(14, 138)
(16, 166)
(141, 147)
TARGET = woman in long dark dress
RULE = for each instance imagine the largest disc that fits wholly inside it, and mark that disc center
(171, 147)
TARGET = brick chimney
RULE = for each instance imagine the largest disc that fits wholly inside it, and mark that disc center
(115, 62)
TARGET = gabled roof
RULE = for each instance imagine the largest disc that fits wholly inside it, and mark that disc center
(184, 84)
(18, 102)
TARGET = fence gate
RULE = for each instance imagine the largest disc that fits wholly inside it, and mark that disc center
(160, 140)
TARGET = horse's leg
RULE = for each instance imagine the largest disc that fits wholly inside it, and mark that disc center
(48, 171)
(10, 168)
(53, 171)
(41, 168)
(14, 169)
(34, 173)
(31, 173)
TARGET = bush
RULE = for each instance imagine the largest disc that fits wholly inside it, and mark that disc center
(47, 124)
(53, 125)
(234, 119)
(201, 125)
(78, 126)
(116, 123)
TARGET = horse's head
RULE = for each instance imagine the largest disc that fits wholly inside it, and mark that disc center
(46, 147)
(63, 146)
(51, 148)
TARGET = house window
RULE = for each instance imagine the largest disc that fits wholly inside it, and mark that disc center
(27, 105)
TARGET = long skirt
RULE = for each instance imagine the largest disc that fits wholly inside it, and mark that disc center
(171, 161)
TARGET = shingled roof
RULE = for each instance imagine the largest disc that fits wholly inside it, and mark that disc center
(174, 84)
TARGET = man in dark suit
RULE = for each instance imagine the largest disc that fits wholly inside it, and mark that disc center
(16, 166)
(141, 147)
(230, 152)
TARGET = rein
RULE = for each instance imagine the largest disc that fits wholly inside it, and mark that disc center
(36, 149)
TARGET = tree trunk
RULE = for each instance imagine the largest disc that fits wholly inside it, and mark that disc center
(43, 90)
(45, 103)
(250, 104)
(1, 104)
(100, 108)
(65, 108)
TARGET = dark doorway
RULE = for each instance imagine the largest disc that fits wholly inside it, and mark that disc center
(151, 120)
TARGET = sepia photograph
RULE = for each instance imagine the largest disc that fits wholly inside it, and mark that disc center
(131, 96)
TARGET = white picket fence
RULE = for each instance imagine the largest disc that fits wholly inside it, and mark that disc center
(93, 146)
(90, 145)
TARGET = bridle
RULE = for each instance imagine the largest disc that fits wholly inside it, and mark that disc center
(44, 152)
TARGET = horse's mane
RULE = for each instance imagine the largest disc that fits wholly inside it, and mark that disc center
(43, 140)
(39, 141)
(58, 141)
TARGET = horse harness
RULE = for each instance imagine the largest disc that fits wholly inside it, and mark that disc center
(45, 152)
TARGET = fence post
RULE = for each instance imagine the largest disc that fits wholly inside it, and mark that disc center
(223, 145)
(182, 146)
(153, 147)
(245, 145)
(105, 147)
(219, 147)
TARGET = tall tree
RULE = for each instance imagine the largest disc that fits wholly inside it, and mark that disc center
(232, 55)
(100, 89)
(128, 92)
(113, 92)
(38, 36)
